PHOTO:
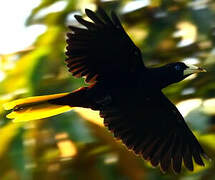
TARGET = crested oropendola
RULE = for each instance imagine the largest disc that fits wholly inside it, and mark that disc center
(126, 92)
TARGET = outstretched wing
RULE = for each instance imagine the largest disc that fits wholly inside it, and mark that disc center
(102, 49)
(157, 131)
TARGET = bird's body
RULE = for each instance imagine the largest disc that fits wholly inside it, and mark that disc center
(127, 94)
(137, 112)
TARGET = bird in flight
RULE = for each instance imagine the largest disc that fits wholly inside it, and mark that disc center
(126, 92)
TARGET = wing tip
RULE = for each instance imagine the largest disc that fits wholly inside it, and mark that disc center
(77, 17)
(87, 11)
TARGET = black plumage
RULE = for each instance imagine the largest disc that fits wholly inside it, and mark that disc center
(126, 92)
(137, 112)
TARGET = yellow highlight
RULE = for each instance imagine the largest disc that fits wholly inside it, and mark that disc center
(90, 115)
(209, 106)
(7, 134)
(185, 107)
(12, 104)
(61, 136)
(208, 139)
(67, 148)
(187, 31)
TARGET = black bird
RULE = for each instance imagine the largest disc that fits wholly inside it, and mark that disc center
(126, 92)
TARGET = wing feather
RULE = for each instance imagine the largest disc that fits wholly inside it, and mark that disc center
(93, 17)
(89, 25)
(108, 50)
(105, 17)
(159, 153)
(162, 137)
(187, 157)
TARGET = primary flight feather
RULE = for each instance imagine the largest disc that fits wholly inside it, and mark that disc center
(126, 92)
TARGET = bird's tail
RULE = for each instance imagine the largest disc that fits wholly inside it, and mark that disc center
(40, 107)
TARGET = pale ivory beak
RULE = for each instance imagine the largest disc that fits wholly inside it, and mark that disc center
(193, 69)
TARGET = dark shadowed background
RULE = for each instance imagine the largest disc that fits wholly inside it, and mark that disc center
(75, 145)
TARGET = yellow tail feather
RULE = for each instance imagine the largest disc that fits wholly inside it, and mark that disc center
(35, 108)
(12, 104)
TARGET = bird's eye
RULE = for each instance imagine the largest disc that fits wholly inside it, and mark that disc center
(177, 67)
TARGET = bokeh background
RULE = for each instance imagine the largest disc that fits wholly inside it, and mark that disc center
(75, 145)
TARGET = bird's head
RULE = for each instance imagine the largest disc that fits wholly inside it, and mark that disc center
(180, 70)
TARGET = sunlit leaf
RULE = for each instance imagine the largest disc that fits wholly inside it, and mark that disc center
(7, 133)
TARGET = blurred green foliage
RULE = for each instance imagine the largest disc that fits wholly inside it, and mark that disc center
(70, 146)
